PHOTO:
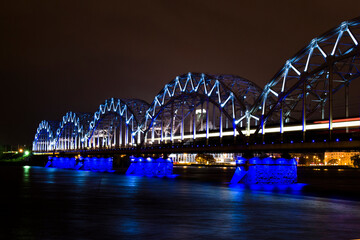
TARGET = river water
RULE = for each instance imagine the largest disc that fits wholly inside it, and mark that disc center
(47, 203)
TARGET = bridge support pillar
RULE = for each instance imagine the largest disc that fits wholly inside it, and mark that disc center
(330, 94)
(304, 136)
(265, 171)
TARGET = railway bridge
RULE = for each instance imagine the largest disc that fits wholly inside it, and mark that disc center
(311, 103)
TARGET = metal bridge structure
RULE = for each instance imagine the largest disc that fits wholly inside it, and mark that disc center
(312, 99)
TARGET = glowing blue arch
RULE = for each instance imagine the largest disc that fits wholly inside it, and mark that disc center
(233, 96)
(126, 114)
(44, 137)
(318, 71)
(71, 132)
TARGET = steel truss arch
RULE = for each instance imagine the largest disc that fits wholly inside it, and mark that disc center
(230, 96)
(71, 131)
(318, 71)
(116, 123)
(44, 137)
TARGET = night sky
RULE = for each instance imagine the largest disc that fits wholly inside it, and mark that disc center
(59, 56)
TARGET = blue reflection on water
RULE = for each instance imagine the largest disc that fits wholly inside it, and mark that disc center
(93, 205)
(278, 188)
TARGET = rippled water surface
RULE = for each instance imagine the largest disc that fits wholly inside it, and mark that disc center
(42, 203)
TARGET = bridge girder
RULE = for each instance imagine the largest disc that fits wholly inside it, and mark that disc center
(71, 131)
(323, 68)
(307, 88)
(175, 108)
(116, 123)
(44, 136)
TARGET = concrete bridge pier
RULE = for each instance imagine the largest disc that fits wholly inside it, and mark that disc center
(265, 171)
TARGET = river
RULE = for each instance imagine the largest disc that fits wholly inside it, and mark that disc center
(48, 203)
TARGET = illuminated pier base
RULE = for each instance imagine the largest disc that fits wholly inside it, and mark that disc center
(150, 167)
(88, 163)
(265, 171)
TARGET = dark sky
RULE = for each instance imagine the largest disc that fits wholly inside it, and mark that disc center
(59, 56)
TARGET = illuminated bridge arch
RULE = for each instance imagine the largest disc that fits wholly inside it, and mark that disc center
(196, 105)
(322, 72)
(71, 132)
(116, 123)
(44, 137)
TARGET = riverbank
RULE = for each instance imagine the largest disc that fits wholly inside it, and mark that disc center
(24, 161)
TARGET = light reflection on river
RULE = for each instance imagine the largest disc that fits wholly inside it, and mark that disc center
(41, 203)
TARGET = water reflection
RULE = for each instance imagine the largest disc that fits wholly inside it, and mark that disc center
(65, 204)
(272, 188)
(26, 173)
